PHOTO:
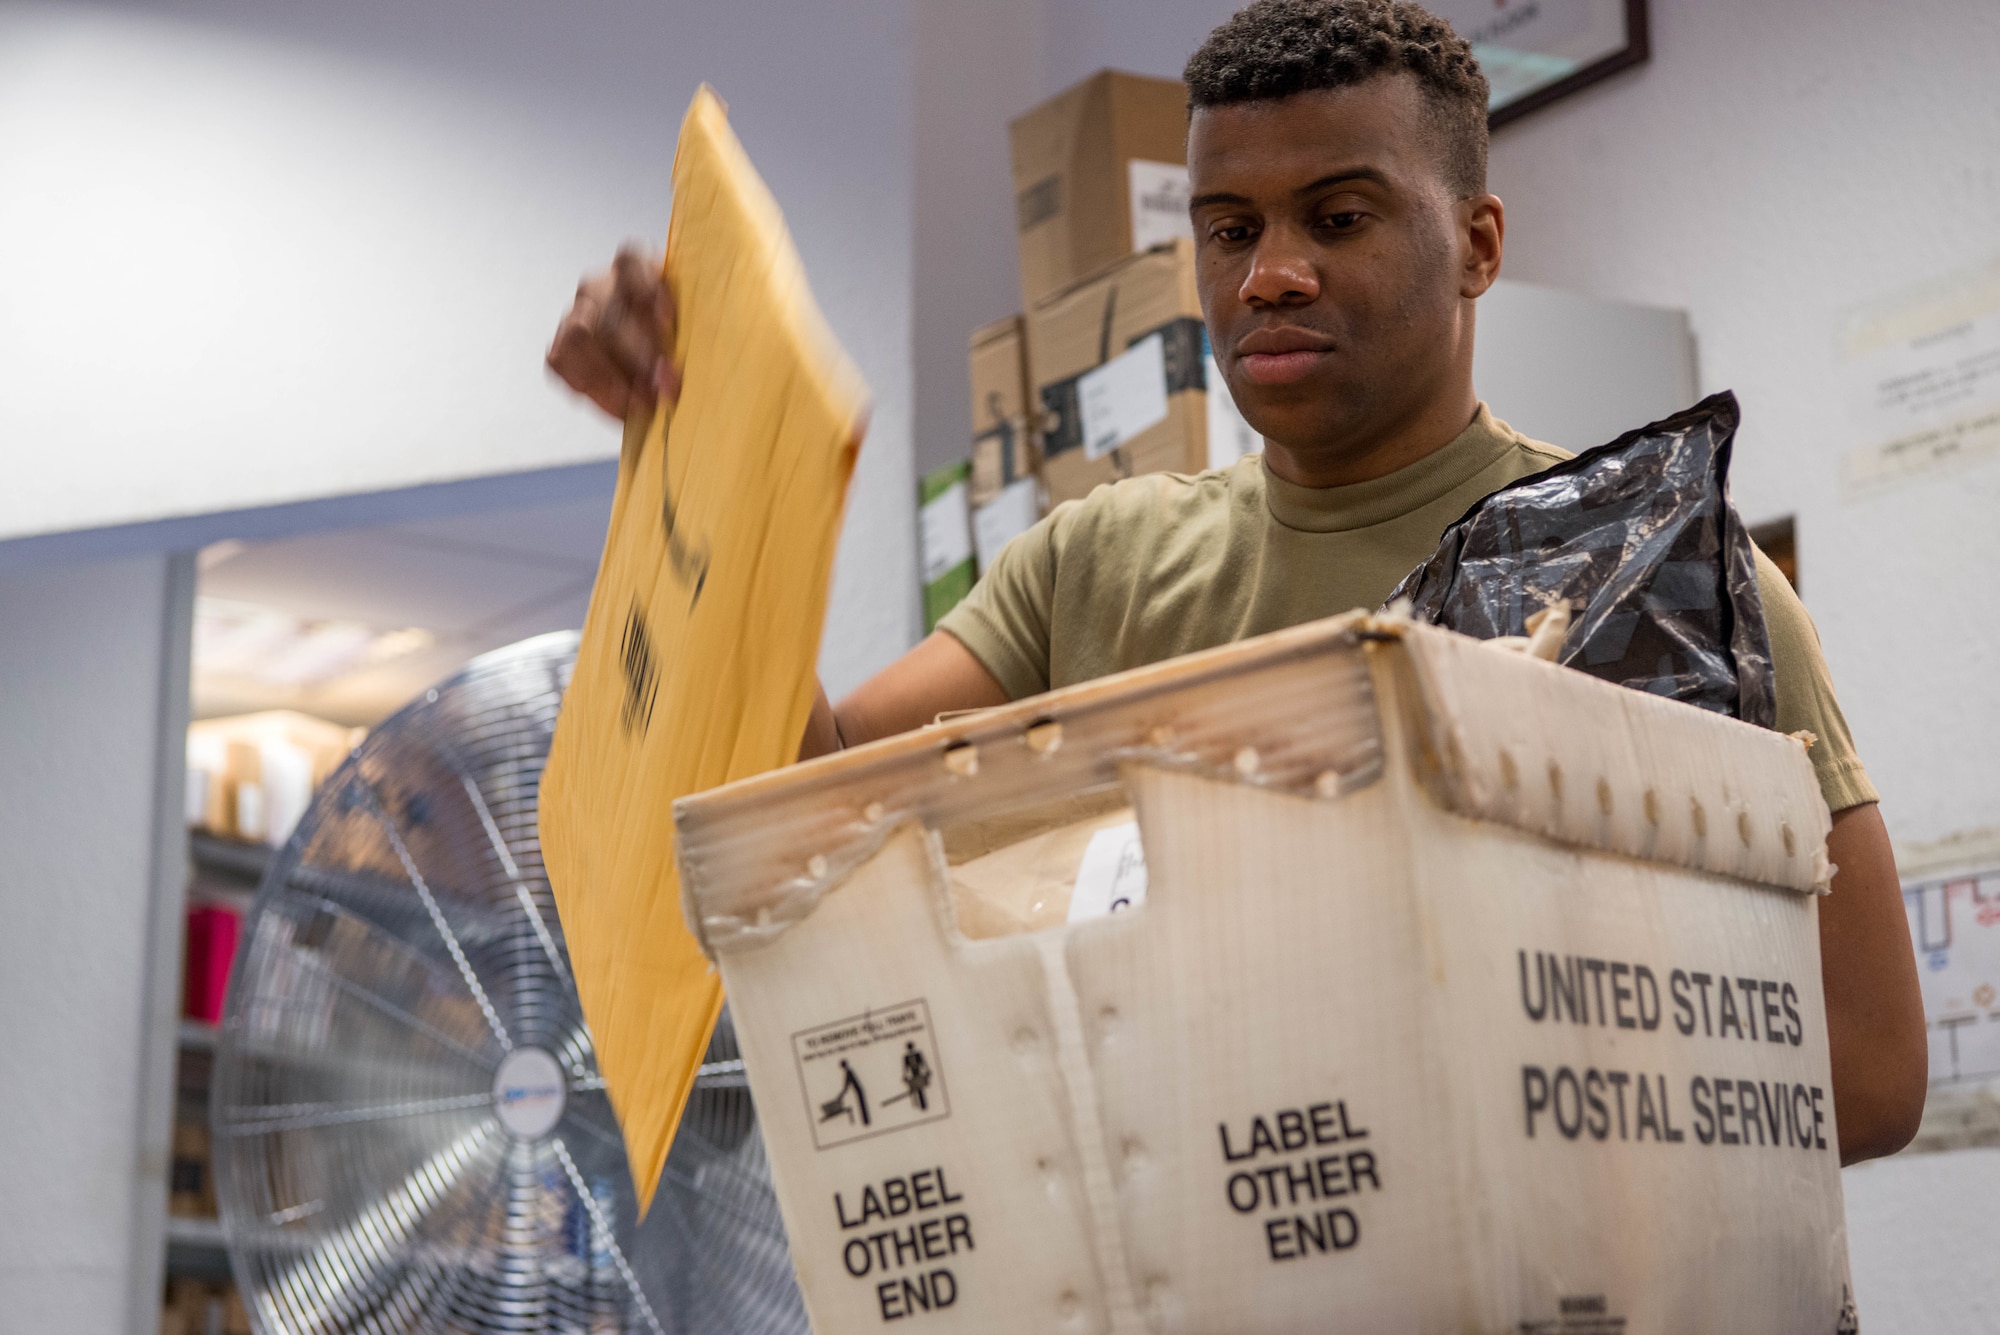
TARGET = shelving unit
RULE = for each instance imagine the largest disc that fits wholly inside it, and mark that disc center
(220, 871)
(195, 1249)
(229, 858)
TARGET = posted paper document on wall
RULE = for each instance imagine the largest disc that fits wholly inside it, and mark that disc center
(1922, 372)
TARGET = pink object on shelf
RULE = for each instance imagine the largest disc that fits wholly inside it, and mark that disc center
(211, 947)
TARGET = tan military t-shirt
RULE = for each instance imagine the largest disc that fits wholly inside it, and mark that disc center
(1166, 564)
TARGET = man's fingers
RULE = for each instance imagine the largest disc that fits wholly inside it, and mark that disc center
(609, 347)
(585, 371)
(644, 330)
(626, 323)
(583, 363)
(636, 274)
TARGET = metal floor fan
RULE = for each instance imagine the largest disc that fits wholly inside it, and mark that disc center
(411, 1134)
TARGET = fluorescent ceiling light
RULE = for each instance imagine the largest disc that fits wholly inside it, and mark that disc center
(274, 648)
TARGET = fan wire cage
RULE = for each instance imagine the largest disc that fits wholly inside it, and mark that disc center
(411, 1133)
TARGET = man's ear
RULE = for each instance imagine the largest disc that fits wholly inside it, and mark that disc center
(1482, 230)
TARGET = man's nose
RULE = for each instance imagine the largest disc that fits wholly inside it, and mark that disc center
(1281, 273)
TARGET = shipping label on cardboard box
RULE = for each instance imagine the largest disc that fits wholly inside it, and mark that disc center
(1004, 518)
(1119, 364)
(1124, 397)
(1159, 195)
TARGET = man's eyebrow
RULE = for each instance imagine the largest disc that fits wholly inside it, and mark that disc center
(1332, 179)
(1326, 182)
(1218, 197)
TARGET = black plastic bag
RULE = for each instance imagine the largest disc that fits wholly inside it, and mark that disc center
(1639, 539)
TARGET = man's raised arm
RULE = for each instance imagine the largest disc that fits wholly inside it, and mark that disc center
(610, 348)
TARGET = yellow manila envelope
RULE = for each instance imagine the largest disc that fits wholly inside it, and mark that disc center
(697, 661)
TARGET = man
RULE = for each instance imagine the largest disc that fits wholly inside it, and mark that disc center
(1337, 163)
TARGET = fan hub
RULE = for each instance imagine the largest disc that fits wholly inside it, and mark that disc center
(529, 1093)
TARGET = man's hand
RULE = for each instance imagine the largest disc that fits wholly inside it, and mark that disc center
(1874, 1011)
(939, 676)
(609, 347)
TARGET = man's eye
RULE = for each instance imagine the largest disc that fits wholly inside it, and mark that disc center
(1232, 234)
(1341, 222)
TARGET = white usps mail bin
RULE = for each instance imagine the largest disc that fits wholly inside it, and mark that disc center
(1469, 993)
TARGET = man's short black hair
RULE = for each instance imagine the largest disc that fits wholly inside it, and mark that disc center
(1274, 48)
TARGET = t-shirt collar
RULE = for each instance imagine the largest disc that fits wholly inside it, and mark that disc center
(1364, 504)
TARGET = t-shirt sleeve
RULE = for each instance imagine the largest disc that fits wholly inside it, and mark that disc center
(1805, 692)
(1005, 620)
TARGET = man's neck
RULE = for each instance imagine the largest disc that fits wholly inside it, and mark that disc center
(1423, 433)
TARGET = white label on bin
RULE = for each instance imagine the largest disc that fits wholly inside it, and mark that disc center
(1002, 519)
(945, 532)
(1159, 202)
(1124, 396)
(1229, 436)
(1112, 876)
(871, 1074)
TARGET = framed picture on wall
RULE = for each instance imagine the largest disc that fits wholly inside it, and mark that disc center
(1535, 51)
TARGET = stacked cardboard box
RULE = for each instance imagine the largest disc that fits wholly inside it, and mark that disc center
(1120, 376)
(1006, 486)
(1003, 447)
(1108, 372)
(1100, 171)
(1119, 364)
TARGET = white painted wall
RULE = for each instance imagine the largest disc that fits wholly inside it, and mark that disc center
(85, 726)
(253, 252)
(1773, 165)
(1577, 370)
(1920, 1232)
(977, 66)
(242, 270)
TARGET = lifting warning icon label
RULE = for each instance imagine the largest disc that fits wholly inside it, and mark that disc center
(871, 1074)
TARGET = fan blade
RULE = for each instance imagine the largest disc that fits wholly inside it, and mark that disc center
(311, 962)
(529, 908)
(301, 1117)
(640, 1303)
(417, 883)
(343, 1277)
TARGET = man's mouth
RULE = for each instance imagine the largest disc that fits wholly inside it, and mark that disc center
(1281, 356)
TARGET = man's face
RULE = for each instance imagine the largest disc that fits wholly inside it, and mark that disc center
(1329, 261)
